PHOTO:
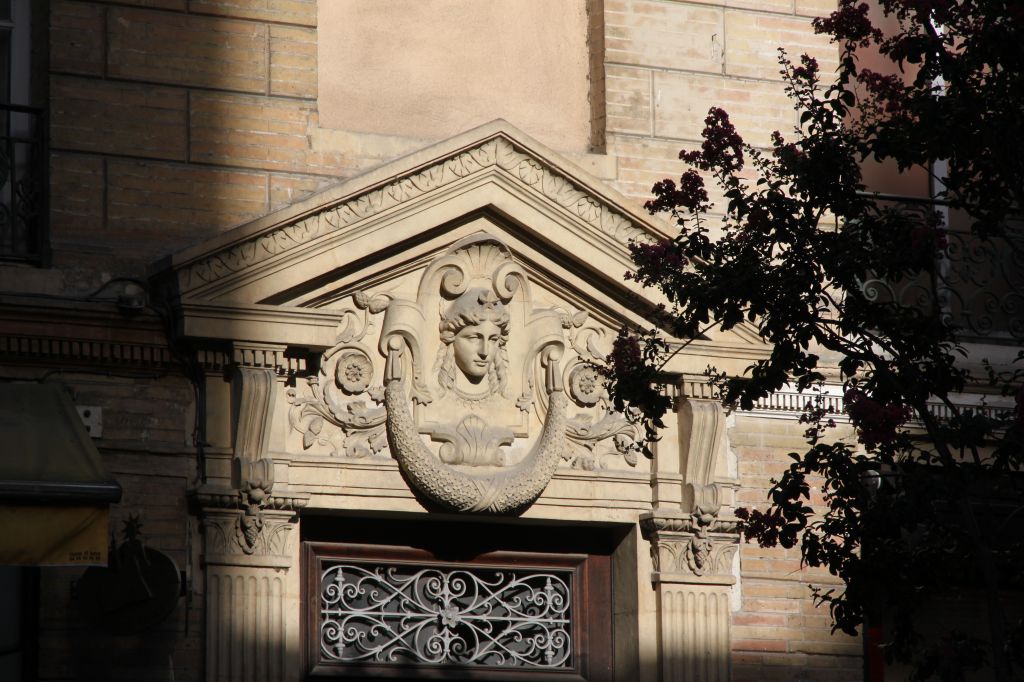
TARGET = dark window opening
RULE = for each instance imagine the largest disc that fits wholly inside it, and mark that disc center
(24, 183)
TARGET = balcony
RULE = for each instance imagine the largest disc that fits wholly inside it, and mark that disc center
(24, 200)
(977, 284)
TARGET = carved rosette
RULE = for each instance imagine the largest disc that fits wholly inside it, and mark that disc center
(597, 434)
(343, 394)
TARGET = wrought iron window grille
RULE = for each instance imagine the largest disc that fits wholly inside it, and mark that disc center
(976, 285)
(457, 601)
(442, 615)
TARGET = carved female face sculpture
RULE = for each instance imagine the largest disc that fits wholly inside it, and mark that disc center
(475, 347)
(474, 330)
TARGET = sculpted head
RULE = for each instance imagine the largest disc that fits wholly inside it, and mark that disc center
(474, 330)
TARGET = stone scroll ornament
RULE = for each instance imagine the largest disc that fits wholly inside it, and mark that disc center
(460, 366)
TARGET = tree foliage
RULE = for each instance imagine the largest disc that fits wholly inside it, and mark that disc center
(927, 501)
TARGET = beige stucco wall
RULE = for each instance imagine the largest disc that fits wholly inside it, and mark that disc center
(432, 70)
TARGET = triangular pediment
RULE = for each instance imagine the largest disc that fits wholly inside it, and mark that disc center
(286, 274)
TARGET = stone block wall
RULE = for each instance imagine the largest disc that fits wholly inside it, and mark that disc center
(191, 116)
(667, 62)
(173, 120)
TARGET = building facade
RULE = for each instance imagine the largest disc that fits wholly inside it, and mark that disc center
(328, 277)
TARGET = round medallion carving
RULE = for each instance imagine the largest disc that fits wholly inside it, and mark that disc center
(353, 372)
(586, 385)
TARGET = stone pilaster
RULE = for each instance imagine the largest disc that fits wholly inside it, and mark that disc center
(250, 553)
(251, 578)
(693, 579)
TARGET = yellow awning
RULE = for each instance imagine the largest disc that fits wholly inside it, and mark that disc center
(54, 492)
(54, 536)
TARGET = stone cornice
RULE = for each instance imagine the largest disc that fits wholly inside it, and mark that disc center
(23, 348)
(306, 327)
(74, 332)
(494, 148)
(83, 334)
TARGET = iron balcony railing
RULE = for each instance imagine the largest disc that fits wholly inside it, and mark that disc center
(977, 284)
(24, 185)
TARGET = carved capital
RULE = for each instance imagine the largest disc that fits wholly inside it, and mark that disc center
(239, 533)
(695, 633)
(692, 556)
(685, 550)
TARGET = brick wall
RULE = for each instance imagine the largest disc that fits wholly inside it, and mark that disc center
(667, 62)
(779, 633)
(173, 120)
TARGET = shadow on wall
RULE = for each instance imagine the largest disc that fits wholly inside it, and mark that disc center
(168, 127)
(171, 649)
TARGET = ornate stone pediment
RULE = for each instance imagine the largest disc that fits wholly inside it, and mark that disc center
(468, 167)
(440, 313)
(285, 271)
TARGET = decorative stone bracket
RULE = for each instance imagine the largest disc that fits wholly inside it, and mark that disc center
(702, 442)
(247, 523)
(693, 548)
(247, 527)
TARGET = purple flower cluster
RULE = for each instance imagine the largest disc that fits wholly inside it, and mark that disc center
(849, 23)
(689, 194)
(808, 69)
(877, 423)
(722, 148)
